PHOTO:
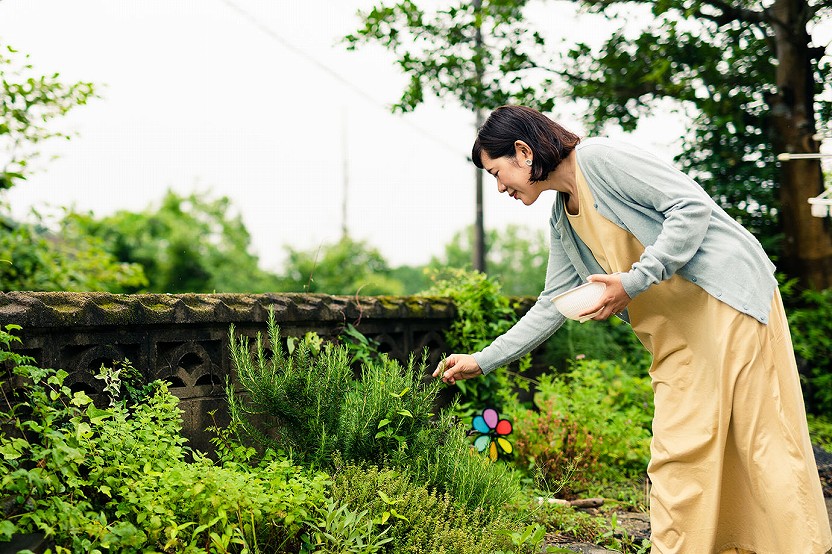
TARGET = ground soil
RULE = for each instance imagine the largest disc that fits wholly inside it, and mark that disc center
(637, 525)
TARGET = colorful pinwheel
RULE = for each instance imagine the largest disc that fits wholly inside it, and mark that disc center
(492, 429)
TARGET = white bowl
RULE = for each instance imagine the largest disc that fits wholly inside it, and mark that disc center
(575, 301)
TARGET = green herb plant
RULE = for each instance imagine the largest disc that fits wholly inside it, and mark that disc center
(312, 406)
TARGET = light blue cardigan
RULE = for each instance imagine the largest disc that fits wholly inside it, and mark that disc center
(686, 233)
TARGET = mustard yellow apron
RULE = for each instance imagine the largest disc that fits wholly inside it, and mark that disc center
(732, 467)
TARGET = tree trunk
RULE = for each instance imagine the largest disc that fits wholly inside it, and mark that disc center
(807, 247)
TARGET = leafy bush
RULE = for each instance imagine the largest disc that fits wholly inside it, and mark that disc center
(810, 322)
(35, 257)
(309, 403)
(193, 243)
(590, 424)
(600, 340)
(820, 429)
(442, 456)
(482, 314)
(94, 479)
(422, 520)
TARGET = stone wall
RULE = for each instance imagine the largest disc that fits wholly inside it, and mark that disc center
(183, 338)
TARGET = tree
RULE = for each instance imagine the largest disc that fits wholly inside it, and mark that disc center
(345, 267)
(186, 244)
(516, 258)
(757, 87)
(34, 257)
(478, 53)
(747, 72)
(28, 104)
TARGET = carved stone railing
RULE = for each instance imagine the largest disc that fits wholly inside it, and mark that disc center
(183, 338)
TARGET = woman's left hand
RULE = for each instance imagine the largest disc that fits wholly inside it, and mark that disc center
(615, 298)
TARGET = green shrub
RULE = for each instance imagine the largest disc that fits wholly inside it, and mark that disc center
(482, 314)
(312, 405)
(810, 322)
(339, 530)
(600, 340)
(309, 403)
(33, 257)
(118, 479)
(199, 506)
(589, 425)
(292, 401)
(421, 519)
(820, 429)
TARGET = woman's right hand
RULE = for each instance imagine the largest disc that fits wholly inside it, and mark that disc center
(457, 367)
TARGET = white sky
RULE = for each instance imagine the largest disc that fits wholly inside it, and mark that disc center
(198, 97)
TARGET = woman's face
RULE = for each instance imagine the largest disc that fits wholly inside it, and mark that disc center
(513, 176)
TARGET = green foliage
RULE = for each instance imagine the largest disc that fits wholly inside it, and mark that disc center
(297, 396)
(38, 258)
(516, 257)
(117, 479)
(482, 314)
(601, 340)
(310, 404)
(688, 57)
(729, 149)
(810, 322)
(426, 521)
(361, 348)
(29, 103)
(340, 530)
(439, 51)
(345, 267)
(186, 244)
(442, 457)
(590, 424)
(414, 279)
(600, 529)
(206, 507)
(820, 429)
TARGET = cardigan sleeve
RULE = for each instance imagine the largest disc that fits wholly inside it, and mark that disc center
(660, 192)
(541, 321)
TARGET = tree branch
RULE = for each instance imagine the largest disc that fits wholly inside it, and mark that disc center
(813, 10)
(731, 13)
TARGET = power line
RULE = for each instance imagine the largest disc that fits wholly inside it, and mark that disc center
(271, 33)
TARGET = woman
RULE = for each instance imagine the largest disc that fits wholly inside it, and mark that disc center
(731, 466)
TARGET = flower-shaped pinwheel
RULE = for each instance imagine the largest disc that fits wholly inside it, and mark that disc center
(492, 429)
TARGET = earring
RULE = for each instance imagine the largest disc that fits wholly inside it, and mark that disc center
(529, 163)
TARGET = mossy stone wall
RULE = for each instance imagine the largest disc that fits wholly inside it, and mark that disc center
(183, 338)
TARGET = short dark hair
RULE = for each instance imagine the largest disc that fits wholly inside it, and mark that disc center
(550, 143)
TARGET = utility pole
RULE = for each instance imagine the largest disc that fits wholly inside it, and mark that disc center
(345, 173)
(479, 226)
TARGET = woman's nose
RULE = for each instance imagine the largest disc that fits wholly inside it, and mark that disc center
(501, 187)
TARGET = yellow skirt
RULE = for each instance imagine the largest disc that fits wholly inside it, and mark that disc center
(732, 467)
(731, 463)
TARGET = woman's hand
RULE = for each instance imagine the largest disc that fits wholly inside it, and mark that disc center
(614, 300)
(456, 367)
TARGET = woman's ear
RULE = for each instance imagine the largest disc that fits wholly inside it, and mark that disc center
(522, 150)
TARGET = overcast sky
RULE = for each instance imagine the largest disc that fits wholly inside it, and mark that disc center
(257, 101)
